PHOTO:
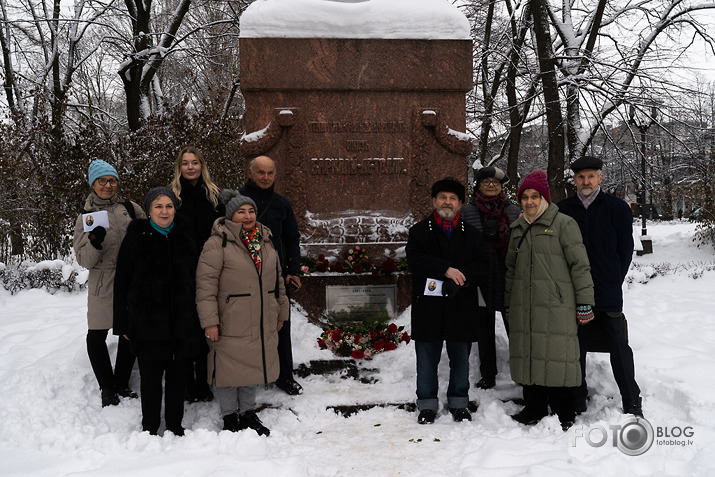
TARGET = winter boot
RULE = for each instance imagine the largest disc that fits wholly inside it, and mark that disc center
(250, 420)
(109, 397)
(230, 422)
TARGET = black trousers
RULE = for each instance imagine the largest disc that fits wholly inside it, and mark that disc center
(487, 343)
(196, 372)
(285, 348)
(152, 371)
(538, 399)
(102, 364)
(611, 325)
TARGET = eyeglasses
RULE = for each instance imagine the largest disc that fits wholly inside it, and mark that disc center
(492, 182)
(103, 182)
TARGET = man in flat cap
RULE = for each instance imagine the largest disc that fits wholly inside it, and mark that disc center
(606, 224)
(448, 261)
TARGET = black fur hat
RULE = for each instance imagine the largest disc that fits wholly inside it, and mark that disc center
(449, 184)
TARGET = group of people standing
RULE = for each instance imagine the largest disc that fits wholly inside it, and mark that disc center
(195, 288)
(554, 272)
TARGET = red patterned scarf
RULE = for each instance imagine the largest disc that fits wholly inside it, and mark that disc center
(252, 241)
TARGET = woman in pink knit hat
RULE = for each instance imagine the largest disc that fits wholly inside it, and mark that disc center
(548, 292)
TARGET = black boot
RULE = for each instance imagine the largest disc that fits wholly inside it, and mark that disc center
(250, 420)
(633, 407)
(230, 422)
(126, 391)
(528, 417)
(109, 397)
(486, 383)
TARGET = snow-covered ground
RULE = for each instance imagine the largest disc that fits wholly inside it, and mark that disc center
(52, 423)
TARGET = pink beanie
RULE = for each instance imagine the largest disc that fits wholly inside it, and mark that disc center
(538, 181)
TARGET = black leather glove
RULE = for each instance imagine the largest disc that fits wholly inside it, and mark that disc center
(450, 289)
(96, 237)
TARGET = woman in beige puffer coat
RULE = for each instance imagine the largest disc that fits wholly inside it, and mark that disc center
(97, 250)
(241, 300)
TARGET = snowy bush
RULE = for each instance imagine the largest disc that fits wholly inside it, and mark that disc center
(50, 275)
(643, 273)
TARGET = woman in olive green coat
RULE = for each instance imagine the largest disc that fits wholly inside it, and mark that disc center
(548, 291)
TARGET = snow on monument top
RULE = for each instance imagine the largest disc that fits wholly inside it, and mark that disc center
(390, 19)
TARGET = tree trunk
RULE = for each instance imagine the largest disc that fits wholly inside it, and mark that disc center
(552, 100)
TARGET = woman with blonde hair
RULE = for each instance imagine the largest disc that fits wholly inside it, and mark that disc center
(199, 199)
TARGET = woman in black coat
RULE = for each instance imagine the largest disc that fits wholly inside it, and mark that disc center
(154, 306)
(200, 206)
(492, 213)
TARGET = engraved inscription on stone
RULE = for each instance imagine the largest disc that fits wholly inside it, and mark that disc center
(345, 165)
(357, 126)
(361, 301)
(357, 145)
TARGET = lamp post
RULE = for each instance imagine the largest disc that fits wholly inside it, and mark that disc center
(642, 124)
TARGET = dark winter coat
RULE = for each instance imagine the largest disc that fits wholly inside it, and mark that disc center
(607, 230)
(198, 210)
(494, 293)
(545, 280)
(280, 219)
(246, 306)
(102, 263)
(154, 292)
(429, 254)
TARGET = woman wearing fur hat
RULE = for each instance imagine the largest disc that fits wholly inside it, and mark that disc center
(154, 306)
(97, 250)
(200, 205)
(492, 213)
(242, 305)
(548, 292)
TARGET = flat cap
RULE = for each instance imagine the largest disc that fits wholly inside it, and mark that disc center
(586, 162)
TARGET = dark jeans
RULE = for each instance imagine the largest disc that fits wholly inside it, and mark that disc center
(152, 371)
(429, 354)
(620, 352)
(487, 343)
(538, 399)
(102, 364)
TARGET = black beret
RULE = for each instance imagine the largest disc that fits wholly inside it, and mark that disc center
(490, 171)
(586, 162)
(448, 184)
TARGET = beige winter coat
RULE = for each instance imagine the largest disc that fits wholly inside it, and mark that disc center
(244, 304)
(102, 263)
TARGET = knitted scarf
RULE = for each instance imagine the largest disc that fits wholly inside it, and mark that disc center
(447, 227)
(252, 241)
(162, 230)
(493, 208)
(586, 201)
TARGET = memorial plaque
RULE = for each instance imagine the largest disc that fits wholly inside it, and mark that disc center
(361, 302)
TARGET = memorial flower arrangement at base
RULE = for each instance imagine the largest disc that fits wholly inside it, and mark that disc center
(356, 261)
(363, 341)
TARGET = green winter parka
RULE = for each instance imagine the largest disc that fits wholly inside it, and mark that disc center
(547, 276)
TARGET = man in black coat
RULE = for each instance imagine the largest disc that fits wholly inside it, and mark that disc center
(447, 259)
(606, 224)
(276, 212)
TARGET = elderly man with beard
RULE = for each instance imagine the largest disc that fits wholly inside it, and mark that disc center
(447, 258)
(606, 224)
